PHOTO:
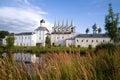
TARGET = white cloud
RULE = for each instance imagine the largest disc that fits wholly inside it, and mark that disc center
(21, 19)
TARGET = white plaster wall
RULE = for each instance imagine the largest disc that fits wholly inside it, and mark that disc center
(33, 40)
(41, 37)
(60, 39)
(70, 43)
(85, 42)
(4, 41)
(23, 40)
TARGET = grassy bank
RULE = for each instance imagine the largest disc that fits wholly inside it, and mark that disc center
(43, 50)
(64, 66)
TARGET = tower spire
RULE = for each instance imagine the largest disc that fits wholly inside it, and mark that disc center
(63, 23)
(72, 23)
(55, 24)
(67, 23)
(58, 23)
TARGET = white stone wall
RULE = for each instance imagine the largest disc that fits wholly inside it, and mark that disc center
(22, 40)
(85, 42)
(41, 37)
(60, 39)
(29, 40)
(33, 40)
(4, 41)
(25, 40)
(70, 42)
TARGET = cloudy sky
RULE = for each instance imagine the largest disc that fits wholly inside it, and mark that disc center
(24, 15)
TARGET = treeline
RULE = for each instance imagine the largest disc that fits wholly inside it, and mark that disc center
(4, 33)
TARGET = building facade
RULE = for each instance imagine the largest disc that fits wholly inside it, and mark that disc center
(60, 33)
(66, 36)
(37, 37)
(84, 40)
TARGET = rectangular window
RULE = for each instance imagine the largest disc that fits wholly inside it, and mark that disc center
(86, 40)
(103, 40)
(92, 41)
(82, 41)
(96, 40)
(77, 41)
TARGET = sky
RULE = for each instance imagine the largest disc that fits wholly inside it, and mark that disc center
(24, 15)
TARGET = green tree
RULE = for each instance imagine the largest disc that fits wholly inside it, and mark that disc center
(111, 25)
(3, 34)
(10, 42)
(99, 30)
(87, 30)
(48, 41)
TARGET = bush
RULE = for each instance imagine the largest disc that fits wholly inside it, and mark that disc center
(108, 46)
(90, 47)
(78, 46)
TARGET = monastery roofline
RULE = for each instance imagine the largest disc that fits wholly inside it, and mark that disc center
(61, 32)
(42, 28)
(92, 36)
(25, 33)
(62, 26)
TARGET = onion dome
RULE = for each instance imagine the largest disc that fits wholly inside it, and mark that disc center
(42, 21)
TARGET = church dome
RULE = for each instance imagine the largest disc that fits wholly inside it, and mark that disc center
(42, 21)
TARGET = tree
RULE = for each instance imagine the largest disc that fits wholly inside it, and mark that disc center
(10, 42)
(47, 41)
(111, 25)
(3, 34)
(99, 30)
(87, 30)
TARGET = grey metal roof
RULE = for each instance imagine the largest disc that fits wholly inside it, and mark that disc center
(42, 28)
(25, 33)
(61, 32)
(92, 36)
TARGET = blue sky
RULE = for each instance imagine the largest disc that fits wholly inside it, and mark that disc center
(24, 15)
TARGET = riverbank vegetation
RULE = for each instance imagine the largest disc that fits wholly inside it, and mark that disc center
(104, 64)
(43, 50)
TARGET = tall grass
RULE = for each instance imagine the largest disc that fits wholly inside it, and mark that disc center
(64, 66)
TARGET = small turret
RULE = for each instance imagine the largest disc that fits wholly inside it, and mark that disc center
(42, 23)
